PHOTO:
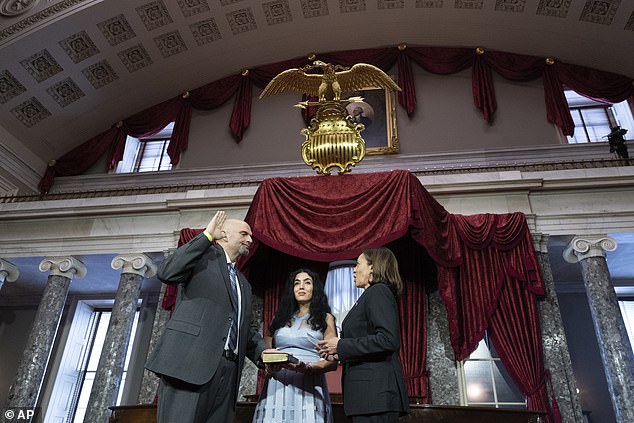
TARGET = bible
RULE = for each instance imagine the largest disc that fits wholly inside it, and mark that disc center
(278, 357)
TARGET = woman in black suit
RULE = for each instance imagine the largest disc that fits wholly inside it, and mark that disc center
(372, 379)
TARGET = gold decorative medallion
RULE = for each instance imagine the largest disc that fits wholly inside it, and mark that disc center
(333, 139)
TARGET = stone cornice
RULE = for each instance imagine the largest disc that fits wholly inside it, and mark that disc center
(236, 195)
(554, 202)
(34, 20)
(462, 165)
(76, 245)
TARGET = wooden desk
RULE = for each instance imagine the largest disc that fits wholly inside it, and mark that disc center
(146, 413)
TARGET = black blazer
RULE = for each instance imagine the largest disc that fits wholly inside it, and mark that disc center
(372, 377)
(194, 338)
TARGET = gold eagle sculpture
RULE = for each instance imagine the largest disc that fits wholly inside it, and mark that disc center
(329, 85)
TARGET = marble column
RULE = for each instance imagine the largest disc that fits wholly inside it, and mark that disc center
(27, 383)
(105, 388)
(249, 380)
(555, 346)
(441, 361)
(614, 344)
(150, 382)
(8, 272)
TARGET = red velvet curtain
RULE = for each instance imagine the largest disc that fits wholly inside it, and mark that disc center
(413, 318)
(419, 275)
(494, 288)
(82, 157)
(487, 272)
(514, 330)
(333, 218)
(489, 248)
(439, 60)
(144, 123)
(323, 219)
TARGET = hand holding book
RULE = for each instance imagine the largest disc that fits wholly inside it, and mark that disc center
(278, 357)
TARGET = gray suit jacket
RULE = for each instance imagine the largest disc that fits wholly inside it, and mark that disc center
(194, 338)
(372, 378)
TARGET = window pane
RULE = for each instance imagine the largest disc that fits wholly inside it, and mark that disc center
(341, 291)
(100, 337)
(594, 119)
(152, 158)
(147, 154)
(597, 123)
(82, 404)
(504, 386)
(579, 135)
(482, 352)
(95, 353)
(492, 350)
(478, 380)
(627, 310)
(486, 381)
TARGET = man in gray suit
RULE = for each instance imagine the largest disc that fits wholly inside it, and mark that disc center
(200, 356)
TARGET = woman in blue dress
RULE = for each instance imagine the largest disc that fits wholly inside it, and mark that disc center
(297, 393)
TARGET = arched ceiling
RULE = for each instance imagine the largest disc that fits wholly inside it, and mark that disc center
(84, 48)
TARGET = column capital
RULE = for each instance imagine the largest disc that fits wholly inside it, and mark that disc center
(8, 271)
(583, 247)
(67, 267)
(138, 264)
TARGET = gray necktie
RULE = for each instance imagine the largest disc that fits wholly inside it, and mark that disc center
(233, 332)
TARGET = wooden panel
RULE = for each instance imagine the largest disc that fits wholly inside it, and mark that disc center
(419, 413)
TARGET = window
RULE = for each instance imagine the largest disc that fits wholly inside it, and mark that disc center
(147, 154)
(78, 366)
(341, 291)
(627, 310)
(484, 381)
(594, 119)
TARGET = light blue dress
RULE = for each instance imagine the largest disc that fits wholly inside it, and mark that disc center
(293, 397)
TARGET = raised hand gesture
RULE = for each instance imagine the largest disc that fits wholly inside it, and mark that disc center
(214, 228)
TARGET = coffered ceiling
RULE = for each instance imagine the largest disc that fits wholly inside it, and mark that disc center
(70, 69)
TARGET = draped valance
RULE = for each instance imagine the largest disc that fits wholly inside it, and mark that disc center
(439, 60)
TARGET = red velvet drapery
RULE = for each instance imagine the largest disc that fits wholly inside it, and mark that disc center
(487, 272)
(323, 219)
(495, 289)
(439, 60)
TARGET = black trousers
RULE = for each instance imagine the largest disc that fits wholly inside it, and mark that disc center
(213, 402)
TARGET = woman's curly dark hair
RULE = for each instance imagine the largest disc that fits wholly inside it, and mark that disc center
(288, 305)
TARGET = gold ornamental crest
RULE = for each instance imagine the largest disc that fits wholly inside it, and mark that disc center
(333, 140)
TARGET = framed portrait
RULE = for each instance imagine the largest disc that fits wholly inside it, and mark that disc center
(377, 112)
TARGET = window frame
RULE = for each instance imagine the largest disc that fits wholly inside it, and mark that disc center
(81, 318)
(135, 148)
(142, 148)
(616, 114)
(463, 382)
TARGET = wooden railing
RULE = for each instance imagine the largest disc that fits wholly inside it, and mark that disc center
(425, 413)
